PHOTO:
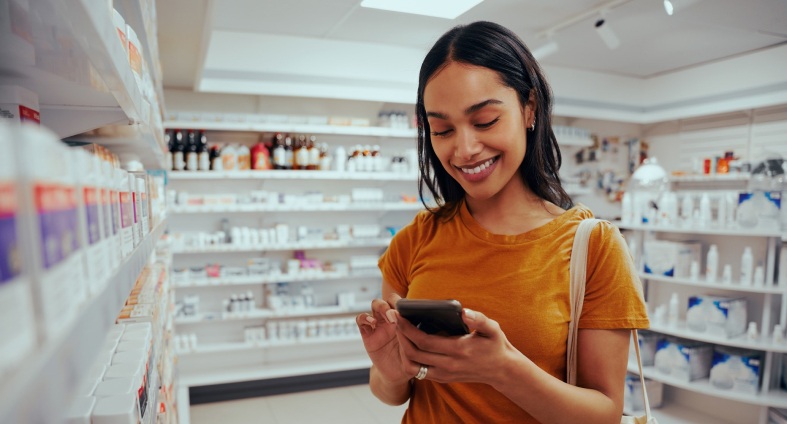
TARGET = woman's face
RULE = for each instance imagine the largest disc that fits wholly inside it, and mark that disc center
(478, 128)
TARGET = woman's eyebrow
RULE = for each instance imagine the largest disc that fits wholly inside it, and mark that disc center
(474, 108)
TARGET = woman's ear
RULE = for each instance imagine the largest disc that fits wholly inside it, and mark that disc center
(530, 108)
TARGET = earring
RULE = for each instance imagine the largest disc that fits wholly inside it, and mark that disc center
(533, 125)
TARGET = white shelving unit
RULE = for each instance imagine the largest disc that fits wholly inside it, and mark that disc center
(92, 86)
(221, 335)
(762, 300)
(676, 414)
(42, 387)
(293, 175)
(286, 127)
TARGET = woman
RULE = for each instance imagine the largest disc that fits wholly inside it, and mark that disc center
(500, 243)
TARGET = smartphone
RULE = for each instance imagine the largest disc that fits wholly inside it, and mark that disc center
(441, 317)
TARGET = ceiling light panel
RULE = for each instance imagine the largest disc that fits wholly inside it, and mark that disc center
(446, 9)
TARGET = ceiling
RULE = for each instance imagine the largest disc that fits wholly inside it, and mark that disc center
(273, 47)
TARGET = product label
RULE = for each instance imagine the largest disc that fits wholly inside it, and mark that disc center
(10, 257)
(90, 195)
(56, 208)
(134, 206)
(144, 197)
(135, 59)
(123, 39)
(29, 115)
(113, 195)
(106, 208)
(126, 210)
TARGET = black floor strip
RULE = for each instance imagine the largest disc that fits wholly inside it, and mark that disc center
(276, 386)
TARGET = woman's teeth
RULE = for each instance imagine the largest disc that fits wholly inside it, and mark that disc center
(479, 168)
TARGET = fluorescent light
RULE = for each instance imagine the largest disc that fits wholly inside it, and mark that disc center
(446, 9)
(607, 35)
(545, 50)
(668, 7)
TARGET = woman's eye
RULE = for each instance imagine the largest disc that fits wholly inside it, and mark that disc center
(440, 133)
(487, 124)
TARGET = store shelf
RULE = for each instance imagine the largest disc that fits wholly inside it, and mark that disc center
(742, 232)
(292, 175)
(83, 79)
(716, 178)
(775, 398)
(245, 373)
(305, 207)
(325, 244)
(672, 413)
(718, 285)
(278, 278)
(739, 341)
(213, 317)
(214, 348)
(294, 128)
(42, 388)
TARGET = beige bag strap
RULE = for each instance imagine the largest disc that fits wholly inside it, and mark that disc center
(578, 276)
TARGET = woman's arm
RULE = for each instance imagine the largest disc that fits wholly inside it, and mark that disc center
(602, 359)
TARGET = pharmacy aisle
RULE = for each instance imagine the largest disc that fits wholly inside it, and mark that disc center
(84, 290)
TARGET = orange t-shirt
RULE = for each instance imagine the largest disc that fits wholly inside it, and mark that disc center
(520, 281)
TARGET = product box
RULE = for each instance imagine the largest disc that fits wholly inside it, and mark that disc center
(736, 369)
(760, 209)
(718, 316)
(683, 359)
(669, 258)
(633, 400)
(648, 341)
(18, 104)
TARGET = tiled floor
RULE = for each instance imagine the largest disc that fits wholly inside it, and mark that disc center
(345, 405)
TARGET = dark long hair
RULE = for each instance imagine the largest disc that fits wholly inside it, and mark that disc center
(494, 47)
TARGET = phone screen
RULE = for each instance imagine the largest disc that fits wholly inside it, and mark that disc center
(441, 317)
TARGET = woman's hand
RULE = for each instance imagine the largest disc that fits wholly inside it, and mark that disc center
(476, 357)
(378, 331)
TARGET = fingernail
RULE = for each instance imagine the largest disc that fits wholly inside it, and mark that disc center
(390, 315)
(370, 319)
(470, 313)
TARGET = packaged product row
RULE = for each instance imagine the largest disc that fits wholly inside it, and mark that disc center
(756, 209)
(280, 234)
(267, 269)
(188, 150)
(357, 195)
(280, 332)
(386, 118)
(132, 379)
(726, 368)
(683, 259)
(69, 217)
(281, 298)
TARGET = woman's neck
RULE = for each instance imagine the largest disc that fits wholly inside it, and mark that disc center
(513, 210)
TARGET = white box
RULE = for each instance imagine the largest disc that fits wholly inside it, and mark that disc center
(669, 258)
(682, 359)
(736, 369)
(648, 342)
(718, 316)
(632, 397)
(18, 104)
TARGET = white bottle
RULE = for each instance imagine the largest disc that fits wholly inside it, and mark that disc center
(751, 331)
(687, 208)
(672, 312)
(712, 264)
(341, 158)
(778, 334)
(726, 275)
(759, 275)
(627, 209)
(747, 266)
(721, 212)
(705, 212)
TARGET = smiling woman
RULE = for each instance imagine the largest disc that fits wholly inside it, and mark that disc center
(499, 242)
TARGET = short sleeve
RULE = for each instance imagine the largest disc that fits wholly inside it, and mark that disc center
(613, 294)
(396, 261)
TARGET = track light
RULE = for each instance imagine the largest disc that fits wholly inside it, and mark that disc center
(607, 35)
(544, 50)
(668, 7)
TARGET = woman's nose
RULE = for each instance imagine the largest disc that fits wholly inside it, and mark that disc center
(467, 144)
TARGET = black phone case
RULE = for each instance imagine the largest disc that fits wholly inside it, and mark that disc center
(441, 317)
